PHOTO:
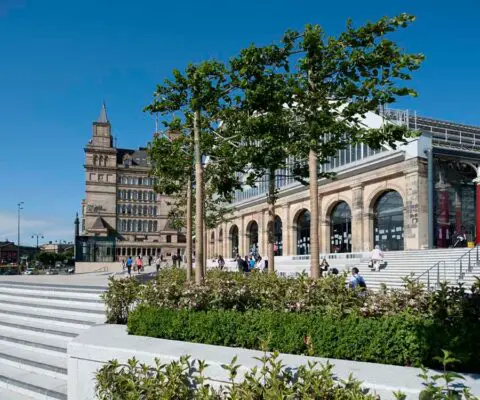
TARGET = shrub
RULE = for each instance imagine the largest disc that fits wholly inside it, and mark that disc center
(187, 379)
(120, 299)
(402, 339)
(234, 291)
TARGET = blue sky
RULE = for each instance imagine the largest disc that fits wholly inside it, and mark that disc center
(60, 59)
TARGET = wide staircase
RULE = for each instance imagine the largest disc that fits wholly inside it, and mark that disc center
(428, 266)
(36, 323)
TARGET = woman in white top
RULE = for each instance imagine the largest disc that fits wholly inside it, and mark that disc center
(377, 258)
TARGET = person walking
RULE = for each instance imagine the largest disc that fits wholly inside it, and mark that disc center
(356, 280)
(157, 262)
(377, 258)
(139, 264)
(221, 263)
(129, 265)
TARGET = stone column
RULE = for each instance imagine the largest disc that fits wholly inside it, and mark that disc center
(477, 210)
(415, 217)
(286, 231)
(443, 221)
(242, 238)
(357, 218)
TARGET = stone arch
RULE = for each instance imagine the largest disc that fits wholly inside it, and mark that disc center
(212, 244)
(233, 240)
(387, 219)
(379, 191)
(278, 236)
(301, 230)
(339, 227)
(252, 234)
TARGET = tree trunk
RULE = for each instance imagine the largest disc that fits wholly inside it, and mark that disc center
(199, 215)
(271, 221)
(313, 183)
(189, 230)
(205, 247)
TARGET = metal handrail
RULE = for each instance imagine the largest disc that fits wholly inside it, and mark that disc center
(427, 272)
(469, 266)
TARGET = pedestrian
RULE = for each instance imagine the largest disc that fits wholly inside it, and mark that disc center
(221, 263)
(122, 261)
(239, 263)
(377, 258)
(139, 263)
(356, 280)
(157, 263)
(251, 263)
(324, 266)
(261, 263)
(129, 265)
(150, 260)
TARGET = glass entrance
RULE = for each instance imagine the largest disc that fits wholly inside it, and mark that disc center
(388, 223)
(303, 233)
(341, 229)
(234, 240)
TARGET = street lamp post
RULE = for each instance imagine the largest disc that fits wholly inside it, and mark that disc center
(37, 235)
(20, 207)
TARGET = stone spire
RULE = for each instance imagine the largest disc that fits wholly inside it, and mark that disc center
(102, 118)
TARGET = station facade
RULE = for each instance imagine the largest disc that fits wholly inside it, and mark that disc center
(378, 197)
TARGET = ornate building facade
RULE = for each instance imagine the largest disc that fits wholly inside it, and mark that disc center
(378, 197)
(121, 214)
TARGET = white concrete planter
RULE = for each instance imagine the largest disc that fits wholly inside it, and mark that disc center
(103, 343)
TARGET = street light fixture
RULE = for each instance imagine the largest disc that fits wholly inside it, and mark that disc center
(20, 207)
(37, 235)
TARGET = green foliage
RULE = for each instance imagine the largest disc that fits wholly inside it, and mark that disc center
(187, 379)
(450, 388)
(390, 339)
(120, 298)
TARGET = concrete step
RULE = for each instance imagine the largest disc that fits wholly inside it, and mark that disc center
(22, 315)
(48, 291)
(33, 341)
(34, 385)
(57, 310)
(41, 327)
(7, 394)
(57, 288)
(32, 361)
(53, 301)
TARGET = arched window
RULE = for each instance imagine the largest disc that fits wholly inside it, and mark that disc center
(303, 233)
(134, 210)
(388, 221)
(150, 211)
(155, 211)
(124, 209)
(130, 180)
(150, 225)
(129, 209)
(129, 226)
(341, 229)
(234, 240)
(135, 225)
(124, 194)
(145, 226)
(129, 195)
(145, 196)
(125, 180)
(145, 210)
(119, 194)
(278, 237)
(155, 226)
(252, 234)
(124, 225)
(220, 235)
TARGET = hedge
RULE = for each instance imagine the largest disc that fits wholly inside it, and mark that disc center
(402, 339)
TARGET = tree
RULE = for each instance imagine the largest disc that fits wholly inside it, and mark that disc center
(172, 165)
(339, 80)
(259, 121)
(198, 95)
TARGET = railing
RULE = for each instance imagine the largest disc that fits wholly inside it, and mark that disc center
(466, 263)
(432, 272)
